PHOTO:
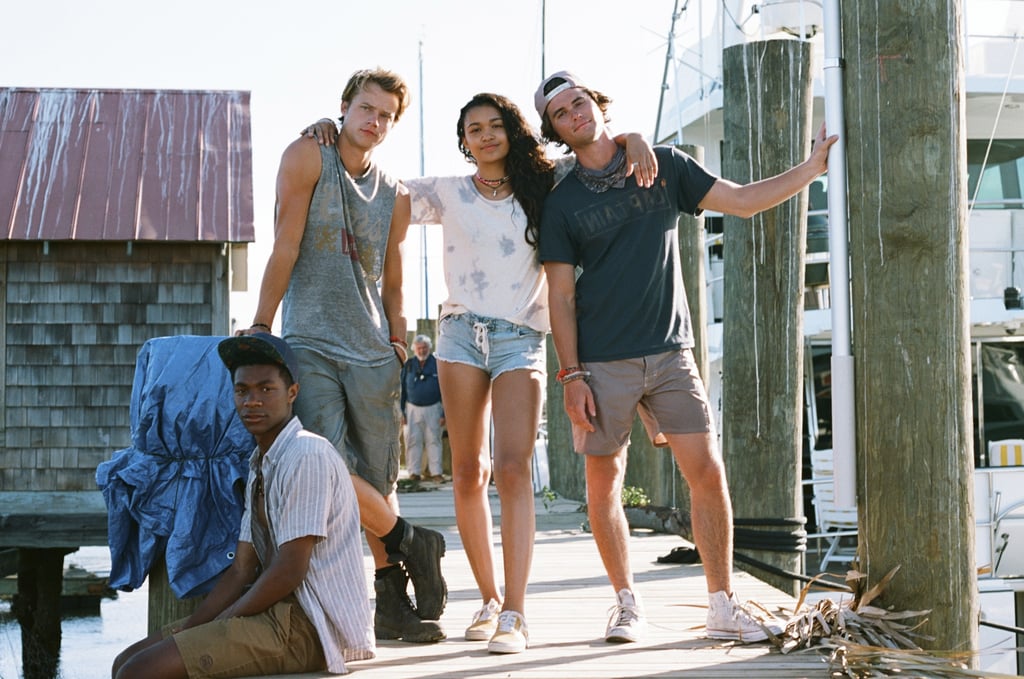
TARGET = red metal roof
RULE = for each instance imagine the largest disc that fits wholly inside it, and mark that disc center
(122, 165)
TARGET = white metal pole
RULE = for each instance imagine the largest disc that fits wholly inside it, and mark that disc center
(843, 411)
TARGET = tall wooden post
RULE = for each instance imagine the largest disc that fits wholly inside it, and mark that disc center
(907, 181)
(37, 608)
(565, 466)
(692, 261)
(767, 104)
(164, 607)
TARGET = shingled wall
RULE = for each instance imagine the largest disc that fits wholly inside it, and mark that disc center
(74, 316)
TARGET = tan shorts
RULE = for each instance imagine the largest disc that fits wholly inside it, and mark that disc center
(281, 640)
(664, 389)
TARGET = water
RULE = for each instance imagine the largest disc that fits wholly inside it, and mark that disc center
(89, 641)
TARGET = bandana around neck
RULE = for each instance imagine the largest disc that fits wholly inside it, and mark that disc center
(612, 174)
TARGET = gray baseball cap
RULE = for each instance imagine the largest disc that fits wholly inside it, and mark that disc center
(553, 85)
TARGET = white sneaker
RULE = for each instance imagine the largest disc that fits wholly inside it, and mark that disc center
(485, 621)
(727, 619)
(627, 622)
(512, 636)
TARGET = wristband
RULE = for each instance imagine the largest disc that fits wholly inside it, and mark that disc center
(261, 325)
(572, 377)
(400, 351)
(394, 339)
(566, 371)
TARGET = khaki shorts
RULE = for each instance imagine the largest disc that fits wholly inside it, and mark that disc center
(665, 390)
(356, 409)
(281, 640)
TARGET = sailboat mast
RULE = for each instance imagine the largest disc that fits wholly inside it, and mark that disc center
(664, 75)
(424, 270)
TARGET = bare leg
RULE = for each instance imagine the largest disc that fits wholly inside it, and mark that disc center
(152, 658)
(605, 474)
(701, 466)
(517, 396)
(465, 391)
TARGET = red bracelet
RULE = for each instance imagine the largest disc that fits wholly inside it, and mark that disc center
(566, 371)
(399, 340)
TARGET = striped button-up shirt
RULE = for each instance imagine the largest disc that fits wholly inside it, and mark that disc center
(308, 491)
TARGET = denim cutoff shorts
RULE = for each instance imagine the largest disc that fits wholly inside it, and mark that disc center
(490, 344)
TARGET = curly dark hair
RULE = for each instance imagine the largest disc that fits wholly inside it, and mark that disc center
(547, 130)
(532, 174)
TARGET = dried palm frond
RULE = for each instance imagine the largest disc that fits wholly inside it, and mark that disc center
(868, 641)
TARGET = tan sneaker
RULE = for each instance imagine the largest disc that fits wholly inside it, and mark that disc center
(485, 622)
(627, 622)
(727, 619)
(511, 636)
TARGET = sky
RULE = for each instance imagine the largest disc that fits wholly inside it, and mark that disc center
(295, 57)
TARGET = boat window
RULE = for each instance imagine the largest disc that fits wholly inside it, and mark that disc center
(1001, 185)
(997, 390)
(1002, 393)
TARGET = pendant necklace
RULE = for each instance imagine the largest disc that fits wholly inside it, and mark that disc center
(493, 184)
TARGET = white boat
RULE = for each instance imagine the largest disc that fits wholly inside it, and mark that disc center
(691, 113)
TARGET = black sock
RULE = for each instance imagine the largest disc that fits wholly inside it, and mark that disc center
(393, 540)
(383, 572)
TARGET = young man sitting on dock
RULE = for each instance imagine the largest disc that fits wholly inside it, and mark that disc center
(295, 598)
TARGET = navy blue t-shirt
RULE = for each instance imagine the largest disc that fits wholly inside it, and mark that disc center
(630, 300)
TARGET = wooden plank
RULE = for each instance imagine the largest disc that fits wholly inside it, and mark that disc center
(567, 610)
(52, 519)
(75, 583)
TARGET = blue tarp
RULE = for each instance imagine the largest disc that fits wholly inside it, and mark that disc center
(178, 490)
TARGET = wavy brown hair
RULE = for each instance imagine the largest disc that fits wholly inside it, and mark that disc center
(547, 129)
(532, 174)
(389, 81)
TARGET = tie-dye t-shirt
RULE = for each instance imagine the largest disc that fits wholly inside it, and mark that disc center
(489, 268)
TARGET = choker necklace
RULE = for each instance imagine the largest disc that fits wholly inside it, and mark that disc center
(493, 184)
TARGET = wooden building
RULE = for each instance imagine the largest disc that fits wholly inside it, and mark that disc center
(119, 212)
(123, 216)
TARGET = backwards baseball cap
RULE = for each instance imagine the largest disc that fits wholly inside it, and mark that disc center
(553, 85)
(260, 348)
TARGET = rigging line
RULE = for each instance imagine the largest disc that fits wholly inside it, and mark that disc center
(676, 12)
(995, 124)
(735, 22)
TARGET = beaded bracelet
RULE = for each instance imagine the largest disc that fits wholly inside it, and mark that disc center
(567, 371)
(261, 325)
(573, 376)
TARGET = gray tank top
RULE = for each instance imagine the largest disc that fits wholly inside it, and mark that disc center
(333, 303)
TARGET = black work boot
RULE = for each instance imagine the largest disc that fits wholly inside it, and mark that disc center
(394, 616)
(421, 552)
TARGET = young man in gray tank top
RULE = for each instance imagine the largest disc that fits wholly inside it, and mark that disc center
(336, 271)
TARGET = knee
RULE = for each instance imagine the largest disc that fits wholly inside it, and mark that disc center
(469, 475)
(512, 470)
(708, 476)
(123, 667)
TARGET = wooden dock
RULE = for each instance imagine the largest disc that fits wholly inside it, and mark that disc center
(567, 609)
